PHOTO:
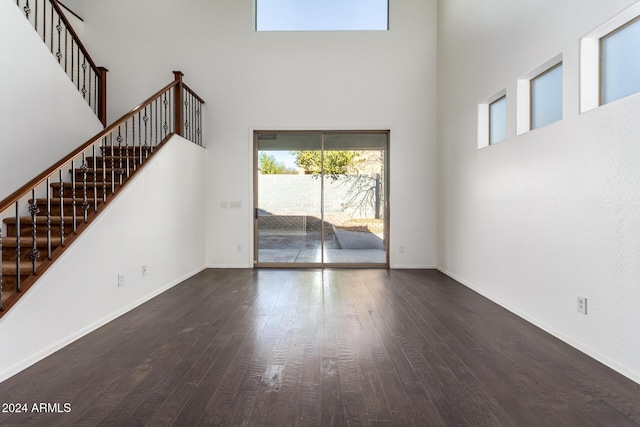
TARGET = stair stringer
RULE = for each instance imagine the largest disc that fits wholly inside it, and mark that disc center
(157, 220)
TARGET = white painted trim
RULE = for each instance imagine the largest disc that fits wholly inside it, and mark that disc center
(605, 360)
(24, 364)
(523, 98)
(483, 118)
(234, 266)
(412, 267)
(590, 57)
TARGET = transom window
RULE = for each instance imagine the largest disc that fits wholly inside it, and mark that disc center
(546, 97)
(321, 15)
(620, 70)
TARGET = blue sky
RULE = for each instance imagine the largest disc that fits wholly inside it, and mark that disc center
(283, 157)
(321, 15)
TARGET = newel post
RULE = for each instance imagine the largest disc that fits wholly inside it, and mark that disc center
(177, 103)
(102, 96)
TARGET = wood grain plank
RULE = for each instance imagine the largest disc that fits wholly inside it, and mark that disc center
(322, 347)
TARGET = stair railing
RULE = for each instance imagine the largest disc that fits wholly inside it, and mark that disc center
(56, 32)
(84, 181)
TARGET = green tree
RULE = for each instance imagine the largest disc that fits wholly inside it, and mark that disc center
(268, 165)
(335, 162)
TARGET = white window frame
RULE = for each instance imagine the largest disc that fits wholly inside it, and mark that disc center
(590, 58)
(523, 107)
(483, 118)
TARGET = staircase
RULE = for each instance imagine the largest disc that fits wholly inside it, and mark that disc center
(41, 219)
(58, 220)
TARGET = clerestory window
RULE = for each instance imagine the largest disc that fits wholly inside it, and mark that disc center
(321, 15)
(620, 66)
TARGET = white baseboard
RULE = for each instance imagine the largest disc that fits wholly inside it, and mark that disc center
(578, 345)
(24, 364)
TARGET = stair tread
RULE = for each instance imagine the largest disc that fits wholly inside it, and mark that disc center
(9, 267)
(116, 157)
(66, 200)
(78, 184)
(42, 219)
(100, 170)
(27, 241)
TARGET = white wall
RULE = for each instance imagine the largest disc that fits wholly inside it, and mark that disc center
(544, 217)
(43, 117)
(303, 80)
(156, 221)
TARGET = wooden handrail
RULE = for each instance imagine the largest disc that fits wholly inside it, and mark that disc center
(25, 189)
(74, 35)
(195, 95)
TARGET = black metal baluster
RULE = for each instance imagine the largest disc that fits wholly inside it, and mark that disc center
(113, 166)
(155, 108)
(59, 28)
(44, 21)
(104, 169)
(48, 192)
(84, 77)
(51, 32)
(185, 115)
(66, 45)
(27, 9)
(34, 211)
(172, 118)
(199, 131)
(139, 138)
(146, 120)
(95, 185)
(192, 110)
(78, 69)
(193, 119)
(85, 202)
(72, 62)
(133, 142)
(90, 80)
(126, 144)
(165, 126)
(35, 16)
(61, 209)
(73, 195)
(17, 246)
(95, 88)
(120, 169)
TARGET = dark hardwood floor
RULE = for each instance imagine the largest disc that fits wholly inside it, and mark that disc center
(312, 347)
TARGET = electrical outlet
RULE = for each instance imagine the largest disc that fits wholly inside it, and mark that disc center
(401, 248)
(239, 248)
(582, 305)
(144, 270)
(120, 280)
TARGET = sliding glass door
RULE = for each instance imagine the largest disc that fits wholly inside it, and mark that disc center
(321, 198)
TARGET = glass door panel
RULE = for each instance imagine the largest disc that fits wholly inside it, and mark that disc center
(354, 198)
(289, 228)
